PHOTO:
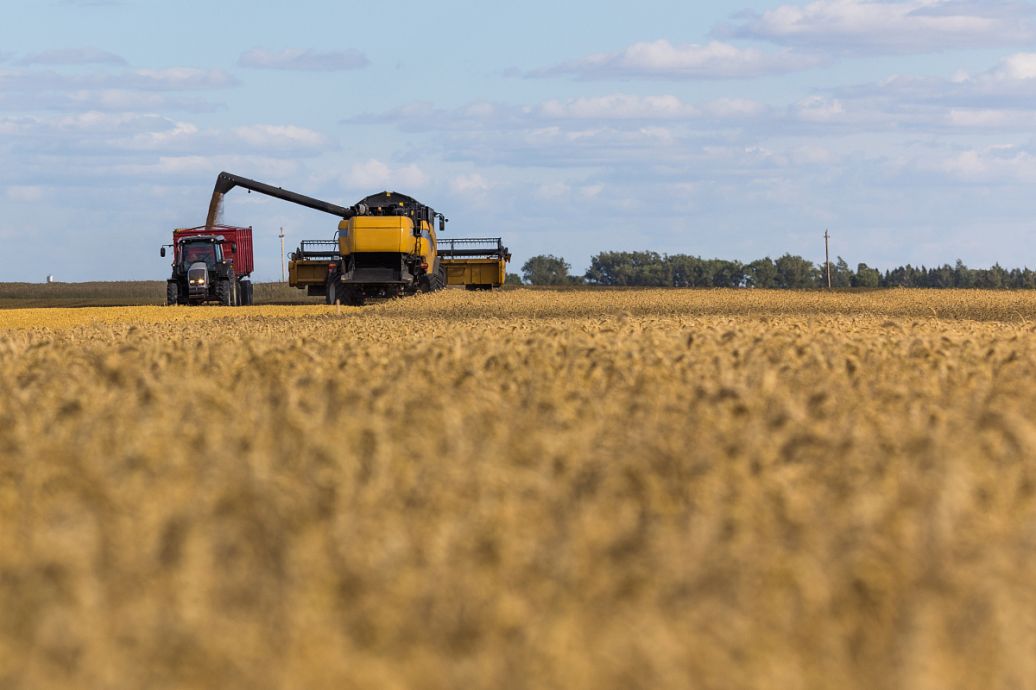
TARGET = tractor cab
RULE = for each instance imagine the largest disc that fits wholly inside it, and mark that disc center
(206, 250)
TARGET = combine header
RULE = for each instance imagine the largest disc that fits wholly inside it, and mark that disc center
(478, 263)
(386, 246)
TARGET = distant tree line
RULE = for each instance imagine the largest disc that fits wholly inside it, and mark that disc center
(651, 269)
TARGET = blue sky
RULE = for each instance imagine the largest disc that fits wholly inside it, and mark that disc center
(740, 131)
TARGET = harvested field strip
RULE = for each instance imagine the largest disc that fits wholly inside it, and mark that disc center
(58, 318)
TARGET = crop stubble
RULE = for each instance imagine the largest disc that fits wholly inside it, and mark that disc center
(523, 490)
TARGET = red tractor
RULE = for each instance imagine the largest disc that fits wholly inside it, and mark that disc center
(211, 264)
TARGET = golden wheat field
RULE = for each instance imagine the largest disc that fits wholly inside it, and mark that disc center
(527, 489)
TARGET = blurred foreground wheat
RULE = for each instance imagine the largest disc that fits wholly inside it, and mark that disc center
(523, 490)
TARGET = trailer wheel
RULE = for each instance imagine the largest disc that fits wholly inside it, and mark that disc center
(172, 293)
(246, 293)
(242, 293)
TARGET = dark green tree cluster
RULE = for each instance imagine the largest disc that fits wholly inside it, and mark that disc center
(960, 276)
(651, 269)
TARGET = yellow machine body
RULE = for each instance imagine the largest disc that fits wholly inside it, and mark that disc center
(386, 235)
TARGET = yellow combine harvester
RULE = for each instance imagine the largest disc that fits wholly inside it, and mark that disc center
(386, 245)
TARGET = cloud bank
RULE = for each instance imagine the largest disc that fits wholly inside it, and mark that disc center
(663, 60)
(881, 26)
(297, 60)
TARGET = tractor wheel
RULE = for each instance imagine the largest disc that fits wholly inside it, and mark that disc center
(225, 293)
(172, 293)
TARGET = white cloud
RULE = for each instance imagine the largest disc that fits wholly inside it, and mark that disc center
(1018, 67)
(125, 100)
(106, 135)
(552, 191)
(591, 191)
(469, 184)
(290, 137)
(181, 135)
(374, 173)
(303, 60)
(990, 119)
(203, 166)
(73, 56)
(898, 26)
(992, 164)
(180, 78)
(662, 60)
(24, 194)
(618, 106)
(820, 109)
(31, 80)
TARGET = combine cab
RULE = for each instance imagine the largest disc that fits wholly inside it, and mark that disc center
(478, 263)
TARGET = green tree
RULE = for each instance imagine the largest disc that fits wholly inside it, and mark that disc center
(689, 271)
(866, 277)
(761, 273)
(546, 269)
(513, 279)
(730, 274)
(941, 277)
(841, 274)
(630, 268)
(963, 277)
(796, 272)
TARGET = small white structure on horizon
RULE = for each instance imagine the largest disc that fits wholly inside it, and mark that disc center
(51, 279)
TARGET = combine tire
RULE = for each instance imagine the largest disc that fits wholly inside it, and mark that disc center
(352, 295)
(430, 282)
(172, 294)
(337, 293)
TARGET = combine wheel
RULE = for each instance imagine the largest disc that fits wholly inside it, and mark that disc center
(430, 282)
(172, 293)
(352, 295)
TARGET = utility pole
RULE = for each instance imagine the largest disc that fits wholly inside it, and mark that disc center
(827, 256)
(282, 253)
